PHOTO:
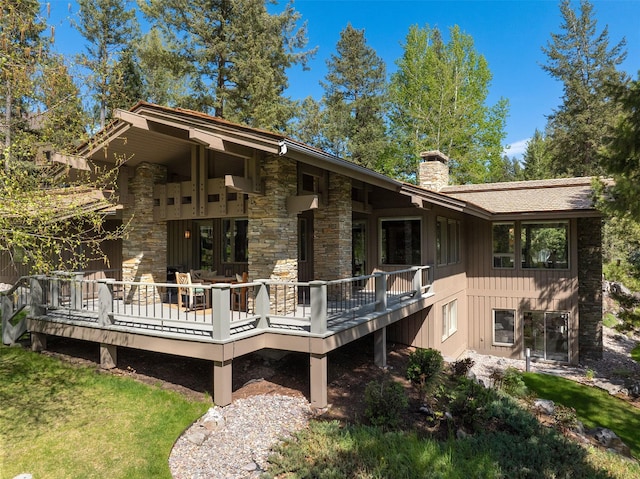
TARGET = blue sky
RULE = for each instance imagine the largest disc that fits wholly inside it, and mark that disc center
(509, 33)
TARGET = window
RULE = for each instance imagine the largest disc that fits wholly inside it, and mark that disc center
(504, 326)
(449, 319)
(504, 239)
(400, 241)
(545, 245)
(235, 243)
(447, 241)
(302, 239)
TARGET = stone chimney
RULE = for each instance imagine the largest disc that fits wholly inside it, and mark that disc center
(433, 173)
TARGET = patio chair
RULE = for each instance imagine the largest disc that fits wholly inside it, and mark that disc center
(192, 297)
(239, 295)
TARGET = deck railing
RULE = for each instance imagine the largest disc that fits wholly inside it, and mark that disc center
(222, 310)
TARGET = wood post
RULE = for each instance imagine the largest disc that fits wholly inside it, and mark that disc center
(381, 292)
(380, 347)
(318, 380)
(222, 382)
(262, 305)
(221, 304)
(108, 356)
(105, 302)
(318, 307)
(38, 342)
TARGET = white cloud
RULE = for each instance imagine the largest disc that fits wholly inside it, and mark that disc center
(517, 148)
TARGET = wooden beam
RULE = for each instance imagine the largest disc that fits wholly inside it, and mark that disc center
(298, 204)
(419, 202)
(207, 139)
(135, 120)
(241, 184)
(76, 162)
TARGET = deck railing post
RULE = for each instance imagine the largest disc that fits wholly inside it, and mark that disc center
(381, 291)
(105, 301)
(76, 290)
(262, 305)
(54, 300)
(416, 281)
(318, 306)
(221, 305)
(36, 305)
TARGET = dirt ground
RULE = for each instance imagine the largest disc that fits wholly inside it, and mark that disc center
(350, 369)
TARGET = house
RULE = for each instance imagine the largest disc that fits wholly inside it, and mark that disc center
(503, 268)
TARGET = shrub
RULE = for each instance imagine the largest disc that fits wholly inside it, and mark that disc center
(469, 404)
(462, 367)
(424, 369)
(510, 382)
(385, 403)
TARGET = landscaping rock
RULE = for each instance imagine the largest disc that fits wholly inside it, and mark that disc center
(196, 437)
(25, 475)
(213, 419)
(610, 440)
(545, 406)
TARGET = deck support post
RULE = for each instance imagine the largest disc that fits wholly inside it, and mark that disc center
(380, 347)
(105, 302)
(416, 281)
(222, 384)
(318, 380)
(221, 304)
(262, 305)
(108, 356)
(38, 342)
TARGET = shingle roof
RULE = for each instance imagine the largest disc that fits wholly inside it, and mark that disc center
(563, 194)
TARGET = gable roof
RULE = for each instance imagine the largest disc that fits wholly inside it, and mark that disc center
(566, 196)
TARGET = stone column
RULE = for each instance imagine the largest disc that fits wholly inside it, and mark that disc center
(144, 249)
(332, 225)
(273, 232)
(590, 288)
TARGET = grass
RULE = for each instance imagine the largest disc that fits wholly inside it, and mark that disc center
(63, 421)
(635, 353)
(593, 406)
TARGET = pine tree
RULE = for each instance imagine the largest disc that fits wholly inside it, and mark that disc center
(109, 28)
(355, 100)
(236, 55)
(537, 160)
(581, 59)
(439, 96)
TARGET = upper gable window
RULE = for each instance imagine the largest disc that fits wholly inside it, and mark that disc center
(504, 245)
(545, 244)
(400, 240)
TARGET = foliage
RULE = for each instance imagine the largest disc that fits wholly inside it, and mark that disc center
(582, 60)
(354, 101)
(109, 28)
(424, 368)
(439, 95)
(386, 401)
(635, 353)
(50, 408)
(593, 406)
(609, 320)
(461, 368)
(234, 56)
(537, 158)
(510, 382)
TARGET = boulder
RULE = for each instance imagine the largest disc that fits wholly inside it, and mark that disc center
(545, 406)
(610, 440)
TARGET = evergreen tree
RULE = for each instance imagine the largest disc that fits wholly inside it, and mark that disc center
(355, 100)
(537, 160)
(583, 61)
(236, 55)
(126, 80)
(439, 96)
(109, 28)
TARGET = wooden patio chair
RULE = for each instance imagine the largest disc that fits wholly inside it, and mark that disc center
(239, 295)
(192, 297)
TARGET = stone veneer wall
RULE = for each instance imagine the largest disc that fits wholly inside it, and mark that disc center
(273, 232)
(433, 170)
(144, 249)
(590, 288)
(332, 233)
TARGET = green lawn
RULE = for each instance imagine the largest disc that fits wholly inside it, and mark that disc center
(635, 353)
(64, 421)
(593, 406)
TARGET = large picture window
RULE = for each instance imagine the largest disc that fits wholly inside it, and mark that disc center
(447, 241)
(504, 244)
(504, 327)
(400, 241)
(449, 319)
(235, 244)
(545, 245)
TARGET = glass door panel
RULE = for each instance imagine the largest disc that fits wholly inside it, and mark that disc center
(557, 337)
(533, 333)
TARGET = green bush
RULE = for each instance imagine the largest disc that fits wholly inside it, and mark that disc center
(510, 381)
(424, 368)
(386, 401)
(460, 368)
(469, 404)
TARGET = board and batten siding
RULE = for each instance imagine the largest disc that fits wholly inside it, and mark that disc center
(518, 289)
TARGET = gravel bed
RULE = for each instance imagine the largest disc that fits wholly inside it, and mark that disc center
(235, 441)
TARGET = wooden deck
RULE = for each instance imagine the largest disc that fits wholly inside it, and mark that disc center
(314, 318)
